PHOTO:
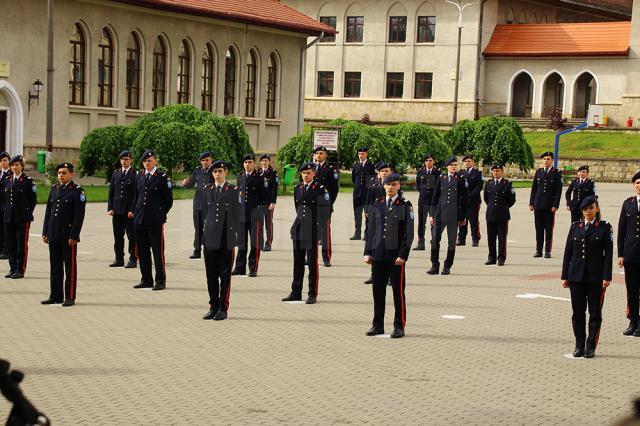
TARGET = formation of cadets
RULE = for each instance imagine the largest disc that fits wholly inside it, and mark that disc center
(228, 217)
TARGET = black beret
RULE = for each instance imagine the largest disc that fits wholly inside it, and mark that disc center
(587, 201)
(427, 156)
(635, 177)
(265, 157)
(547, 154)
(16, 159)
(67, 166)
(584, 167)
(125, 153)
(451, 160)
(148, 153)
(393, 177)
(204, 155)
(495, 166)
(249, 157)
(307, 166)
(382, 165)
(219, 164)
(467, 157)
(320, 148)
(4, 154)
(363, 149)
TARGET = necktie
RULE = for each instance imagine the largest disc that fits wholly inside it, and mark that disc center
(449, 178)
(389, 202)
(146, 177)
(218, 189)
(586, 226)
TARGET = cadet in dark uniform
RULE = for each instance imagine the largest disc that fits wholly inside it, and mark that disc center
(425, 184)
(387, 250)
(118, 207)
(499, 196)
(254, 196)
(586, 270)
(200, 179)
(5, 174)
(361, 173)
(313, 207)
(474, 185)
(579, 189)
(449, 209)
(328, 177)
(61, 231)
(629, 255)
(271, 175)
(20, 192)
(152, 201)
(376, 190)
(222, 218)
(544, 202)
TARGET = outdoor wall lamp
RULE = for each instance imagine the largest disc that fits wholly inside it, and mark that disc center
(37, 87)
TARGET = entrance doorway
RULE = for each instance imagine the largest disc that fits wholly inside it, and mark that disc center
(553, 95)
(522, 96)
(3, 130)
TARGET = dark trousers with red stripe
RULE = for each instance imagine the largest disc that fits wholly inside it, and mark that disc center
(3, 239)
(218, 264)
(150, 239)
(268, 225)
(123, 225)
(473, 222)
(587, 295)
(632, 280)
(423, 215)
(17, 235)
(305, 253)
(198, 227)
(249, 241)
(324, 234)
(544, 219)
(497, 231)
(382, 273)
(64, 271)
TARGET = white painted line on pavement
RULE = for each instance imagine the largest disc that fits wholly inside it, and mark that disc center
(570, 356)
(85, 252)
(512, 241)
(295, 302)
(386, 336)
(541, 296)
(453, 317)
(36, 235)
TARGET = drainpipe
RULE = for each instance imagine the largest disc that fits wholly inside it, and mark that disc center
(50, 83)
(476, 113)
(303, 76)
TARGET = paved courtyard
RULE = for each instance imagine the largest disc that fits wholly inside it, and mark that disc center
(125, 356)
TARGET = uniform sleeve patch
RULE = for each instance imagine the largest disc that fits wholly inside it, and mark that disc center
(169, 184)
(513, 191)
(326, 196)
(277, 179)
(83, 198)
(33, 188)
(266, 183)
(335, 175)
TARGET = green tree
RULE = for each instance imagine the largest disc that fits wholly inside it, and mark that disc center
(501, 139)
(460, 137)
(99, 149)
(414, 140)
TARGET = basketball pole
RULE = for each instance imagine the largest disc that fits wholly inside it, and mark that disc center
(564, 132)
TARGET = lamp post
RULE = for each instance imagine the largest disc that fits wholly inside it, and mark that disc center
(461, 7)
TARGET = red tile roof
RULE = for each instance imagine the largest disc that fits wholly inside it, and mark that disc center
(268, 13)
(583, 39)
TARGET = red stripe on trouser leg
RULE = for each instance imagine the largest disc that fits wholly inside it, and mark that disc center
(506, 235)
(604, 290)
(553, 224)
(135, 251)
(328, 238)
(317, 270)
(226, 298)
(258, 234)
(271, 226)
(164, 272)
(401, 292)
(478, 223)
(26, 247)
(627, 310)
(72, 277)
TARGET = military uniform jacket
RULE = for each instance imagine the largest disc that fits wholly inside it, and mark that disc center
(375, 191)
(200, 179)
(546, 190)
(254, 192)
(360, 177)
(152, 198)
(390, 231)
(588, 255)
(629, 231)
(121, 191)
(21, 199)
(474, 184)
(65, 213)
(271, 176)
(499, 197)
(328, 177)
(313, 206)
(576, 192)
(426, 181)
(222, 218)
(4, 178)
(450, 199)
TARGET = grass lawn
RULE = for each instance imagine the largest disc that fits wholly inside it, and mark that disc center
(592, 144)
(100, 194)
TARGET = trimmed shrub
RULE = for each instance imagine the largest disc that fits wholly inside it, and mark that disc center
(99, 149)
(460, 137)
(414, 140)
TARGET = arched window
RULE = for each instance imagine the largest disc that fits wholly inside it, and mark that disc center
(208, 63)
(230, 67)
(105, 70)
(250, 98)
(134, 65)
(272, 86)
(159, 83)
(184, 74)
(77, 66)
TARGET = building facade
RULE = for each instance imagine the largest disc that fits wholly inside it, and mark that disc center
(117, 60)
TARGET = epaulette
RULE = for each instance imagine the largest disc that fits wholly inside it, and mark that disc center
(28, 177)
(577, 222)
(631, 198)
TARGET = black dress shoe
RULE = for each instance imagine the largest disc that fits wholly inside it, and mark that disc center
(17, 276)
(51, 302)
(475, 244)
(159, 286)
(253, 274)
(547, 255)
(143, 285)
(578, 352)
(310, 300)
(397, 333)
(445, 271)
(433, 271)
(195, 255)
(327, 264)
(131, 264)
(461, 243)
(220, 315)
(236, 272)
(9, 275)
(369, 280)
(3, 256)
(537, 254)
(375, 331)
(209, 315)
(633, 326)
(419, 246)
(292, 298)
(266, 247)
(637, 333)
(355, 237)
(117, 264)
(68, 303)
(589, 353)
(490, 262)
(500, 262)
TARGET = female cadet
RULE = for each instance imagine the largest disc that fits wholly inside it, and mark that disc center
(586, 270)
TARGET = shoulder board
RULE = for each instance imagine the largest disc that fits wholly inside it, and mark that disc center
(631, 198)
(28, 177)
(321, 186)
(577, 222)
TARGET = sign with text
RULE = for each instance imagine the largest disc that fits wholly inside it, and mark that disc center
(4, 68)
(326, 138)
